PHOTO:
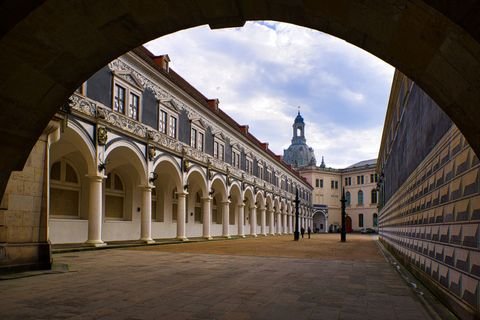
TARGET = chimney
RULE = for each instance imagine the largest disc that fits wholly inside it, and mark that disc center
(264, 145)
(213, 104)
(244, 129)
(163, 62)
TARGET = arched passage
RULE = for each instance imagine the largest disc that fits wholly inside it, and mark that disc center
(165, 198)
(432, 42)
(235, 209)
(197, 213)
(218, 192)
(320, 221)
(122, 193)
(71, 161)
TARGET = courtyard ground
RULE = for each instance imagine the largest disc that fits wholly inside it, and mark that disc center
(252, 278)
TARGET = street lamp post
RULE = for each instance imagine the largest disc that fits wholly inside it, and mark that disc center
(296, 234)
(343, 236)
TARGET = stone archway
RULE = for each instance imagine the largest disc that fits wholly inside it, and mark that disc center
(320, 221)
(45, 53)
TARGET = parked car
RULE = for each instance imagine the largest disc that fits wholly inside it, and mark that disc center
(368, 230)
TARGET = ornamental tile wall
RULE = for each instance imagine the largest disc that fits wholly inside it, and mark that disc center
(433, 219)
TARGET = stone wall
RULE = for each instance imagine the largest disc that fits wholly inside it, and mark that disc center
(432, 222)
(23, 221)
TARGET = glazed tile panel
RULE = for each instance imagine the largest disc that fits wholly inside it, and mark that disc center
(433, 219)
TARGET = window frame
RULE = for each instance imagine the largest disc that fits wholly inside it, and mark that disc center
(218, 149)
(360, 203)
(249, 165)
(63, 184)
(130, 89)
(111, 191)
(236, 158)
(197, 137)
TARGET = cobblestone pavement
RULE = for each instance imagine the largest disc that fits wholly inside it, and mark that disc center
(262, 278)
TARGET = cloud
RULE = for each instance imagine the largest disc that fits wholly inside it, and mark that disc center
(263, 71)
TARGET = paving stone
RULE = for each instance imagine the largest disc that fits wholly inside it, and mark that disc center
(266, 278)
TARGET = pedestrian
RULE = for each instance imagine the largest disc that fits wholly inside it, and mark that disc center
(309, 232)
(302, 231)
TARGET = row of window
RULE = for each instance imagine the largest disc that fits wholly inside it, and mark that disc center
(127, 100)
(361, 179)
(361, 223)
(373, 195)
(348, 181)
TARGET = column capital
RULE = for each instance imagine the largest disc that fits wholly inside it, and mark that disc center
(226, 202)
(207, 199)
(146, 188)
(182, 194)
(241, 205)
(96, 177)
(253, 207)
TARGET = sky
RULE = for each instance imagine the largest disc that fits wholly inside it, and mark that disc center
(264, 71)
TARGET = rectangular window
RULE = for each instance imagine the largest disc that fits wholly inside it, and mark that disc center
(336, 184)
(236, 159)
(249, 166)
(162, 122)
(360, 180)
(133, 106)
(348, 181)
(221, 152)
(360, 220)
(317, 183)
(193, 138)
(260, 172)
(332, 185)
(372, 178)
(172, 131)
(218, 150)
(200, 140)
(119, 103)
(321, 183)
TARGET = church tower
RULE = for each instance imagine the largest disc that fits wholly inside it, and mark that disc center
(299, 154)
(299, 130)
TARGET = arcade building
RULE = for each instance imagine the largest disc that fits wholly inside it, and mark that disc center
(139, 154)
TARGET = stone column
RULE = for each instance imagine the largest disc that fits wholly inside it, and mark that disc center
(253, 221)
(289, 223)
(241, 232)
(146, 224)
(95, 212)
(226, 217)
(181, 208)
(263, 227)
(279, 222)
(271, 224)
(207, 217)
(284, 224)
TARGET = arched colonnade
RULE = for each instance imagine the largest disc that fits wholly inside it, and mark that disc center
(121, 191)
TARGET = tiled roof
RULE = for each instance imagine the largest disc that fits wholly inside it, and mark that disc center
(371, 162)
